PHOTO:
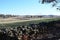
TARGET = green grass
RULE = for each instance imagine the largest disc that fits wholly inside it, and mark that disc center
(16, 24)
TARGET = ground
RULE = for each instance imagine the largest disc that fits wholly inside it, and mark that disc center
(13, 20)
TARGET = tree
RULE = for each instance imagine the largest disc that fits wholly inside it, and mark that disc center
(55, 2)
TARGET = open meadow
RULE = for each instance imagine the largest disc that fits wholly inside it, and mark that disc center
(11, 22)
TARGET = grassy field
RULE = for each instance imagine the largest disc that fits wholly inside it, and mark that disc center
(26, 22)
(12, 20)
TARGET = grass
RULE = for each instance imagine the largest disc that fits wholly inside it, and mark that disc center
(16, 24)
(12, 20)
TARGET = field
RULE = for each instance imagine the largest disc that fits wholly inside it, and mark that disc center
(13, 20)
(16, 22)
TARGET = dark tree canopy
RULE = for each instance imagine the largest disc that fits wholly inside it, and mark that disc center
(55, 2)
(48, 1)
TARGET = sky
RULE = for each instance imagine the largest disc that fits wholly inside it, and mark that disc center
(27, 7)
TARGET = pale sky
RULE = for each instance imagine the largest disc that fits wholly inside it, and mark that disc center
(27, 7)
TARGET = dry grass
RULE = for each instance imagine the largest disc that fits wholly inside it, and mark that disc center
(12, 20)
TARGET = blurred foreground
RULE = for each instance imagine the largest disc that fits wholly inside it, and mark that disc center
(40, 31)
